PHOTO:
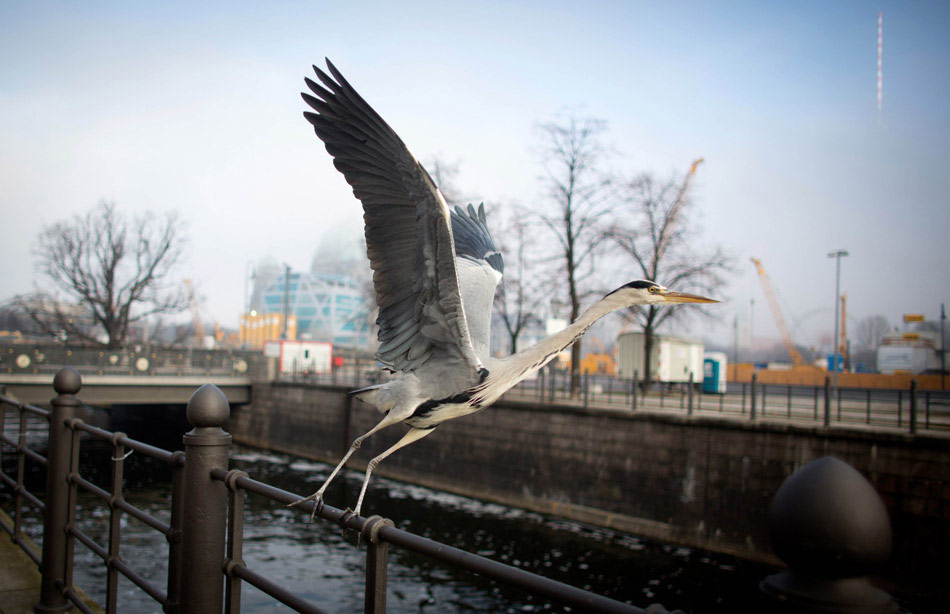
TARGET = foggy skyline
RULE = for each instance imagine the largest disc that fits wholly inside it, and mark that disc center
(197, 109)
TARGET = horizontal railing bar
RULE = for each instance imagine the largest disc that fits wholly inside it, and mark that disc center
(95, 431)
(35, 456)
(275, 590)
(138, 446)
(144, 516)
(153, 592)
(19, 406)
(85, 484)
(25, 547)
(88, 542)
(118, 564)
(511, 576)
(77, 601)
(22, 491)
(461, 559)
(32, 499)
(144, 448)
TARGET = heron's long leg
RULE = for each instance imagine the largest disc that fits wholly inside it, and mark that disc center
(318, 496)
(408, 438)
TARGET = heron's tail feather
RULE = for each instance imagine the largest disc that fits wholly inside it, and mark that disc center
(366, 395)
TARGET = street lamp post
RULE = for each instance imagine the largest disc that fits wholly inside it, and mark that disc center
(834, 344)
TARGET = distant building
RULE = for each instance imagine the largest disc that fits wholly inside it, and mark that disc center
(909, 352)
(327, 307)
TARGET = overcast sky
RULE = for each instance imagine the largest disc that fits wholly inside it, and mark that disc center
(194, 107)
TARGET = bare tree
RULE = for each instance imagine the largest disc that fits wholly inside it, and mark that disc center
(115, 269)
(519, 296)
(445, 175)
(578, 198)
(661, 242)
(870, 331)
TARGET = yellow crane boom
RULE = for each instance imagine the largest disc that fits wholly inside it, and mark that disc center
(796, 357)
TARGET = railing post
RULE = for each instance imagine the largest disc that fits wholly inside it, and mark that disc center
(690, 408)
(205, 503)
(752, 390)
(827, 401)
(53, 563)
(377, 562)
(634, 384)
(912, 419)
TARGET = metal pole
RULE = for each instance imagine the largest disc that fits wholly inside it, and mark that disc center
(834, 344)
(206, 502)
(283, 334)
(943, 349)
(752, 407)
(53, 563)
(913, 406)
(690, 409)
(636, 376)
(827, 401)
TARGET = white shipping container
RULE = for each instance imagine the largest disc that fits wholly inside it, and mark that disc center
(301, 356)
(906, 359)
(673, 359)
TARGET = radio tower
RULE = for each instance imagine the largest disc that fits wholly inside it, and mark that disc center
(880, 73)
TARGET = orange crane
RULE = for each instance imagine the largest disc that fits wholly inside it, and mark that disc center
(796, 357)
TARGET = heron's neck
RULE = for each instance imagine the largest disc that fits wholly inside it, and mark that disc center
(520, 365)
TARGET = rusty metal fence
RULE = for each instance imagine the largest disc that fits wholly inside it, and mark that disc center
(205, 565)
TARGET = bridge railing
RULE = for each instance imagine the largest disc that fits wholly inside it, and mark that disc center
(205, 566)
(49, 359)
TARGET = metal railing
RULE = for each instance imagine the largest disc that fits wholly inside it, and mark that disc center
(49, 359)
(910, 410)
(205, 531)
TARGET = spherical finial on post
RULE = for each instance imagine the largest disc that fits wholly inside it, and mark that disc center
(67, 381)
(208, 407)
(830, 526)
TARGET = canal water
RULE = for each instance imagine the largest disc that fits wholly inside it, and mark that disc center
(324, 565)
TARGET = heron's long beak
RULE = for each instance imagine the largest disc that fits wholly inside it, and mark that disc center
(682, 297)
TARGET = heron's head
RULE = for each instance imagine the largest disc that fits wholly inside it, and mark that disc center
(644, 292)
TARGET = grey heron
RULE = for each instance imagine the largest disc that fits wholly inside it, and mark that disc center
(434, 275)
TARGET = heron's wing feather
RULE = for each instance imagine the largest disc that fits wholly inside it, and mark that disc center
(408, 233)
(480, 266)
(472, 238)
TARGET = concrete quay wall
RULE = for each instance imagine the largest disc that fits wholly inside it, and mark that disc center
(701, 482)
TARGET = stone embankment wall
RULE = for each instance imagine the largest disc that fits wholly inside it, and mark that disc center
(701, 482)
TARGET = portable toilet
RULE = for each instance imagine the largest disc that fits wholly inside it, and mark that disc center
(714, 372)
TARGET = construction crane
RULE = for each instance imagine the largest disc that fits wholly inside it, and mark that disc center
(796, 357)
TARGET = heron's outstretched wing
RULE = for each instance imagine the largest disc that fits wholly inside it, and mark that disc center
(408, 234)
(480, 267)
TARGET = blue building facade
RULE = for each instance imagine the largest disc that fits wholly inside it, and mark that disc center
(328, 307)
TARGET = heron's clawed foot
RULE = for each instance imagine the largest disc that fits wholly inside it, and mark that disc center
(317, 499)
(345, 518)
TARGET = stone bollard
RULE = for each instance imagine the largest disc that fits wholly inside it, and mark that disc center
(829, 525)
(53, 563)
(204, 517)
